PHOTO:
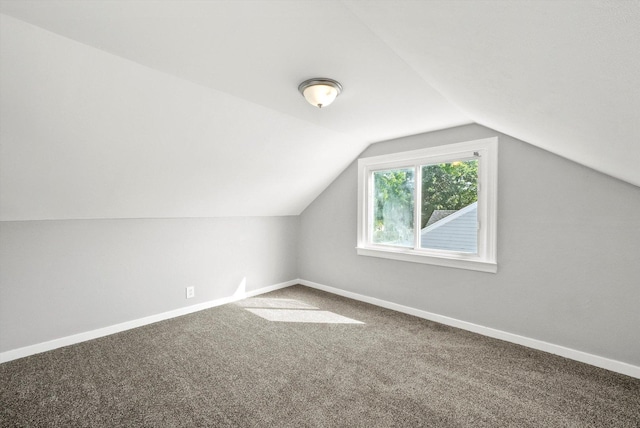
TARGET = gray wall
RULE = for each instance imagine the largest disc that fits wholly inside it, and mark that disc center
(568, 252)
(71, 276)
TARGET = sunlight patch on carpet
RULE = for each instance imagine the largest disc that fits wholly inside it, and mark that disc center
(302, 315)
(261, 302)
(291, 310)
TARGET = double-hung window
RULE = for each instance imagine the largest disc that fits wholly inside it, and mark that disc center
(436, 205)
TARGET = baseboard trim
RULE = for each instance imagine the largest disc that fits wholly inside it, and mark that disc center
(584, 357)
(128, 325)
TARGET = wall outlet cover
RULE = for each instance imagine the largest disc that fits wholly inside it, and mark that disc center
(191, 292)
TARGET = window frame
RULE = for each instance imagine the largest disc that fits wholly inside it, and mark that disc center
(486, 152)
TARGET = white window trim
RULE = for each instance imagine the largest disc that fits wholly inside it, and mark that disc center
(486, 259)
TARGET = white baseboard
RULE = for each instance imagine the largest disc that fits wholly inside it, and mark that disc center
(584, 357)
(105, 331)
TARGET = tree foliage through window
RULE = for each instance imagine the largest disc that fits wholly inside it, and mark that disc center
(448, 186)
(393, 210)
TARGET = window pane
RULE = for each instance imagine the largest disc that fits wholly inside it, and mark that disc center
(393, 199)
(449, 219)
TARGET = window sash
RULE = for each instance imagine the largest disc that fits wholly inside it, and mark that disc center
(419, 198)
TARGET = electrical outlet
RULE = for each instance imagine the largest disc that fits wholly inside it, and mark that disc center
(191, 292)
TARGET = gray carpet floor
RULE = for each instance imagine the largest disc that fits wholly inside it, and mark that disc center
(231, 367)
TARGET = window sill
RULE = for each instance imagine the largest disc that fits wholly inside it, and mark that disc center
(413, 256)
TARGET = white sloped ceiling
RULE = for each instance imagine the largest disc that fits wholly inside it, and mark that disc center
(562, 75)
(149, 109)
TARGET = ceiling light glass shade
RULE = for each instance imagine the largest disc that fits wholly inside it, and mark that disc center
(320, 92)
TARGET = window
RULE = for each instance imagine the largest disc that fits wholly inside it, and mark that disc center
(435, 205)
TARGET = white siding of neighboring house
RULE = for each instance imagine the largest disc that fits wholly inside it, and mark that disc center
(456, 232)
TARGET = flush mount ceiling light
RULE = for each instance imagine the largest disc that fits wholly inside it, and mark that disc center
(320, 92)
